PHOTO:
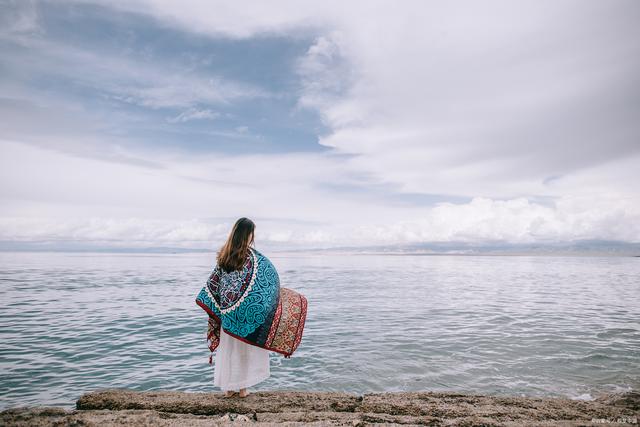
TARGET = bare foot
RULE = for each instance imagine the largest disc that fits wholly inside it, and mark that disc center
(243, 392)
(229, 393)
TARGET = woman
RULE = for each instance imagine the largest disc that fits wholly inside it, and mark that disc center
(243, 299)
(238, 365)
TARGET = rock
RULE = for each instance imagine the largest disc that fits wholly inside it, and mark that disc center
(168, 408)
(629, 400)
(214, 403)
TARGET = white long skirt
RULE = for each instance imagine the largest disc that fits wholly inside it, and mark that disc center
(238, 364)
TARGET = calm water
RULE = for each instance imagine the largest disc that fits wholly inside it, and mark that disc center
(544, 326)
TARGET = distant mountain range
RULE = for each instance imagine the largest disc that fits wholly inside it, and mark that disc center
(580, 247)
(577, 248)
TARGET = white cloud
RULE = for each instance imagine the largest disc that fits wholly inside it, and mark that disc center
(479, 221)
(180, 91)
(326, 76)
(516, 221)
(134, 80)
(219, 18)
(192, 201)
(505, 104)
(129, 232)
(194, 114)
(477, 99)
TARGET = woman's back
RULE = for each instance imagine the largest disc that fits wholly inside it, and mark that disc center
(238, 365)
(249, 314)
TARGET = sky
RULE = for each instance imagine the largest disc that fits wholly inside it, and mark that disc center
(153, 123)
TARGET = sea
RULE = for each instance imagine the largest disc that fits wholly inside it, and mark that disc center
(556, 326)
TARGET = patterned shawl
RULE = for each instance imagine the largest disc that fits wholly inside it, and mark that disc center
(250, 305)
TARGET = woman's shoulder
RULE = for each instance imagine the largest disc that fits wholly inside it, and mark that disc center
(256, 252)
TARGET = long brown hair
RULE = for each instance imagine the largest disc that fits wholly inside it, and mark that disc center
(233, 253)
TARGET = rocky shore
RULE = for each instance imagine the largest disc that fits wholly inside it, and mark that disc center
(168, 408)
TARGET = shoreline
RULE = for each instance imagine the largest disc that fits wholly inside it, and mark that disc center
(171, 408)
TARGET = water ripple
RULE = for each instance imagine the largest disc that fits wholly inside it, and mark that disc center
(547, 326)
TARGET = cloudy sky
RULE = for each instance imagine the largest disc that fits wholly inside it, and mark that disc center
(142, 123)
